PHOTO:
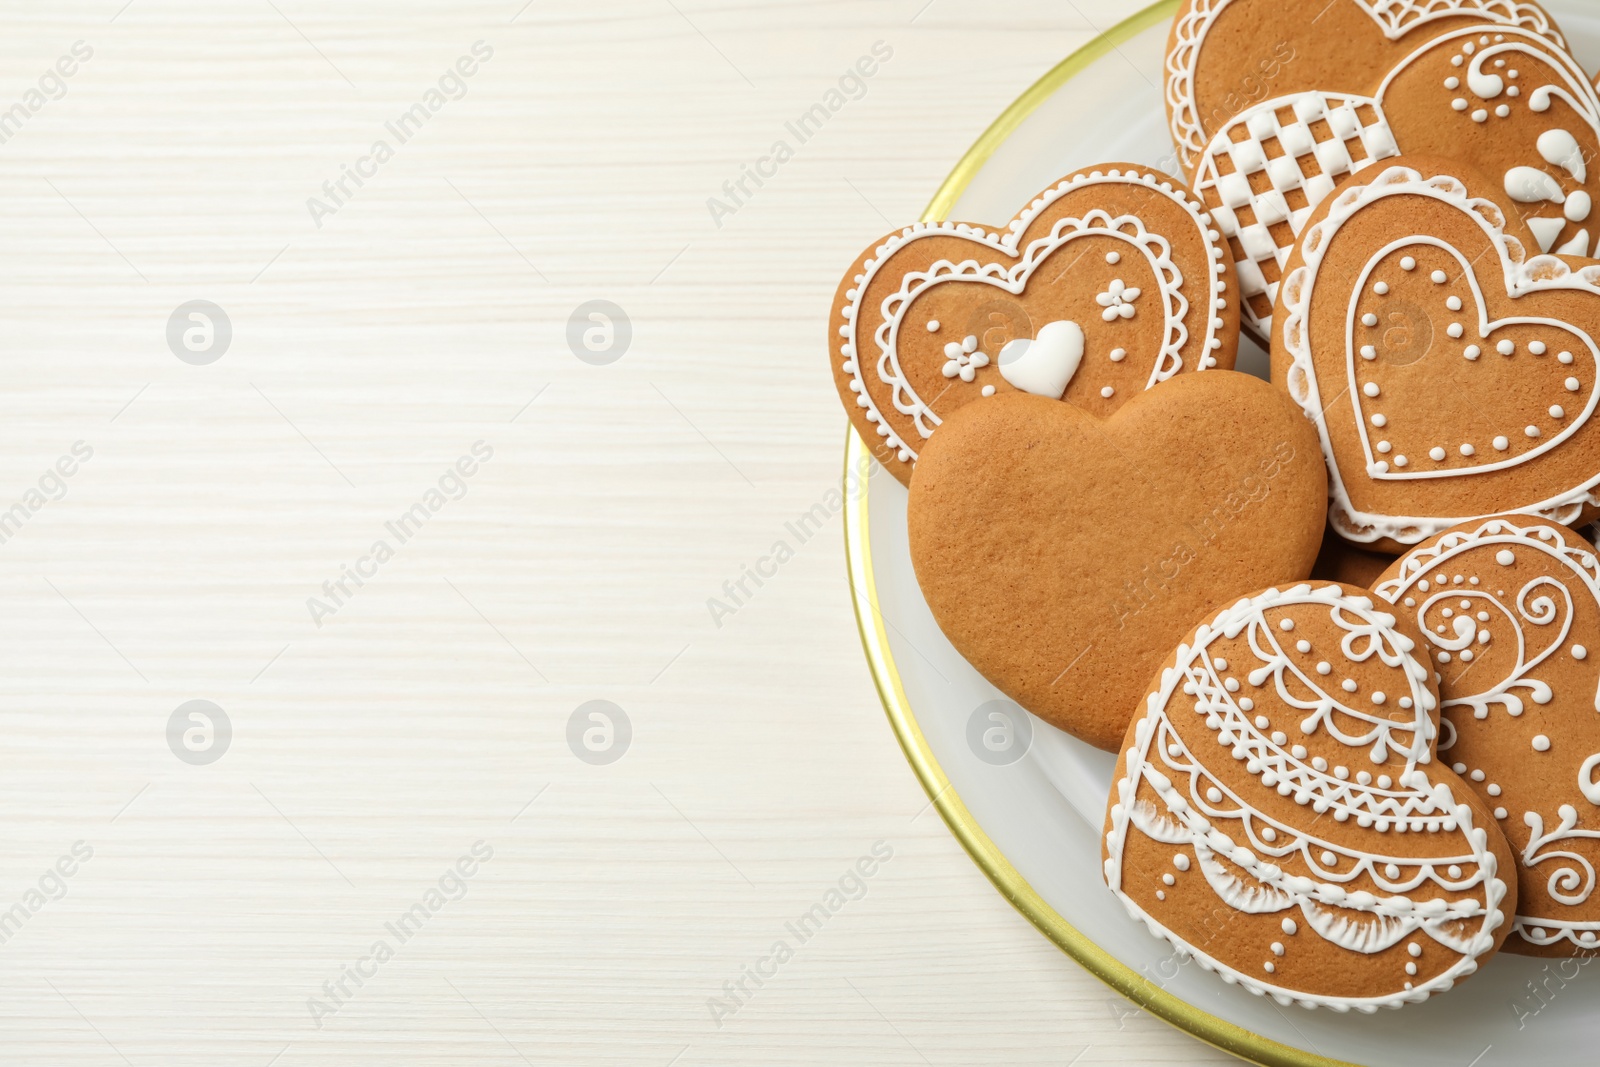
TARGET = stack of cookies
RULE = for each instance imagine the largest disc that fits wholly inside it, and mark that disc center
(1337, 625)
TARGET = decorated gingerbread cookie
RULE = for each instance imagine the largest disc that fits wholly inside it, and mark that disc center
(1278, 813)
(1064, 555)
(1510, 609)
(1451, 370)
(1362, 83)
(1109, 282)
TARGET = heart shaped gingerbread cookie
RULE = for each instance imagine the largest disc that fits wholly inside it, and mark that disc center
(1064, 555)
(1278, 813)
(1109, 282)
(1502, 97)
(1450, 374)
(1510, 609)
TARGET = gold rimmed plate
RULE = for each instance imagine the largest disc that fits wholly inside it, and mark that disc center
(1027, 801)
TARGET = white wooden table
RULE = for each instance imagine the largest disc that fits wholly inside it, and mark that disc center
(379, 732)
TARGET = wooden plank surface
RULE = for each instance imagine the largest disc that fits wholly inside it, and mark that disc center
(381, 730)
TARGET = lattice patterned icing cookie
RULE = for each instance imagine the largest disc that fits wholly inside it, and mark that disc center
(1064, 556)
(1359, 84)
(1278, 815)
(1451, 375)
(1109, 282)
(1510, 609)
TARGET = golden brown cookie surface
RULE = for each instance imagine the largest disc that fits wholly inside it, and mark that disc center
(1107, 283)
(1510, 611)
(1451, 372)
(1278, 812)
(1064, 556)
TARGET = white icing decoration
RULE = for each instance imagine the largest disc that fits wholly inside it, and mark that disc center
(1521, 276)
(1118, 301)
(1526, 185)
(1154, 249)
(1578, 246)
(1560, 149)
(1044, 365)
(1580, 205)
(1540, 618)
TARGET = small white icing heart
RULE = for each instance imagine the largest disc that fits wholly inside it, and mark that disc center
(1044, 365)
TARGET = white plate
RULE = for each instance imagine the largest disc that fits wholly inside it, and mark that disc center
(1034, 825)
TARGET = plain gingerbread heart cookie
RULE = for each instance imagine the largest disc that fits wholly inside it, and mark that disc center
(1451, 374)
(1109, 282)
(1064, 555)
(1510, 609)
(1278, 815)
(1360, 84)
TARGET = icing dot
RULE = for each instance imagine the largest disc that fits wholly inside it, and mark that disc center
(1221, 664)
(1369, 319)
(1113, 257)
(1181, 862)
(1286, 625)
(1161, 894)
(1268, 834)
(1298, 752)
(1384, 781)
(1452, 872)
(1573, 385)
(1538, 348)
(1380, 420)
(1348, 685)
(1452, 82)
(1385, 447)
(1381, 288)
(1411, 968)
(1502, 443)
(1436, 454)
(1290, 928)
(1472, 352)
(1579, 652)
(1494, 790)
(1401, 461)
(1214, 795)
(1541, 743)
(1455, 329)
(1169, 880)
(1459, 768)
(1392, 871)
(1454, 303)
(1363, 778)
(1369, 352)
(1477, 776)
(1405, 702)
(1302, 646)
(1246, 704)
(1500, 813)
(1277, 948)
(1415, 949)
(1329, 859)
(1118, 355)
(1503, 110)
(1262, 722)
(1480, 115)
(988, 390)
(1269, 967)
(1371, 389)
(1565, 357)
(1231, 685)
(933, 326)
(1408, 264)
(1505, 557)
(1532, 431)
(1340, 773)
(1108, 392)
(1506, 348)
(1557, 411)
(1324, 668)
(1379, 698)
(1279, 738)
(1467, 450)
(1440, 277)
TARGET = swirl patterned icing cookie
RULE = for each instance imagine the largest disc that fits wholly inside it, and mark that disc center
(1451, 374)
(1064, 555)
(1109, 282)
(1277, 813)
(1510, 609)
(1361, 84)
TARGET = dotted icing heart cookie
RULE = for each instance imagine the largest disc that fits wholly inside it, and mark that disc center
(1109, 282)
(1450, 374)
(1505, 98)
(1510, 610)
(1278, 814)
